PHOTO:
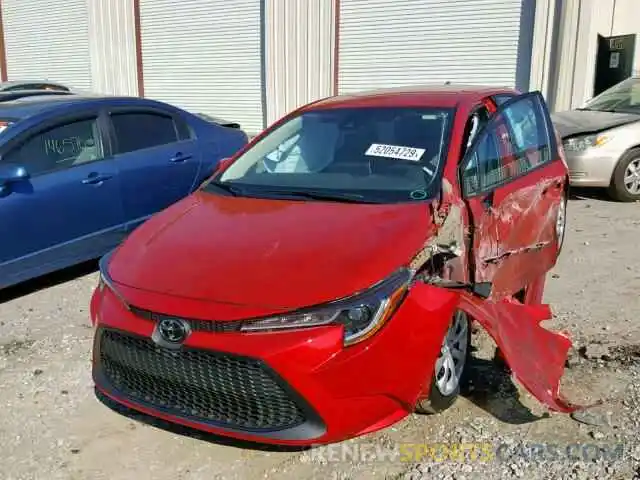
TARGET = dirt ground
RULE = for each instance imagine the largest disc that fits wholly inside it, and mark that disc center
(53, 427)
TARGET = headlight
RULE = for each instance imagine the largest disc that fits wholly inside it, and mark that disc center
(362, 315)
(105, 280)
(580, 144)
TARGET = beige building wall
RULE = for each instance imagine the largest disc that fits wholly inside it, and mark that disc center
(112, 46)
(571, 73)
(543, 45)
(299, 50)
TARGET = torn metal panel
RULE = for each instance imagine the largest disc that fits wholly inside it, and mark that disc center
(445, 253)
(535, 355)
(530, 248)
(515, 240)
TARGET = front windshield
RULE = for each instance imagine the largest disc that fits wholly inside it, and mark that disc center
(371, 154)
(623, 97)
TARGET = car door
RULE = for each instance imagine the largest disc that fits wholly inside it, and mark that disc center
(68, 209)
(158, 160)
(513, 183)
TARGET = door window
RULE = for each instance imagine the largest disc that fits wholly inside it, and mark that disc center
(483, 168)
(529, 134)
(58, 148)
(515, 141)
(138, 131)
(502, 98)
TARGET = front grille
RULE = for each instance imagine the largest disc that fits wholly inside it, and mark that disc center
(195, 324)
(204, 386)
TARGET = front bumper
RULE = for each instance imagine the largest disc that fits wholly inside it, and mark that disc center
(591, 168)
(297, 387)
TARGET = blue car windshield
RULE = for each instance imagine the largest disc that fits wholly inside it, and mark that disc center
(377, 155)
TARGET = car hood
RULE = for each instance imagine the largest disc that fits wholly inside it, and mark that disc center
(576, 122)
(279, 254)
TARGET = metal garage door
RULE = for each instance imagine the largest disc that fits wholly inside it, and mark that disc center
(204, 56)
(387, 43)
(47, 39)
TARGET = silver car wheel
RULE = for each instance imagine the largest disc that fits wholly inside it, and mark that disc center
(632, 177)
(453, 355)
(561, 221)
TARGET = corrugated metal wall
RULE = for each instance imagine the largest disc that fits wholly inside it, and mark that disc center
(386, 43)
(205, 56)
(113, 47)
(49, 40)
(299, 44)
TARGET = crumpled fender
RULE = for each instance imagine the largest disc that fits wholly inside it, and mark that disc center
(535, 355)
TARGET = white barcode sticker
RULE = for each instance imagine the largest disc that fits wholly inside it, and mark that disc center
(395, 151)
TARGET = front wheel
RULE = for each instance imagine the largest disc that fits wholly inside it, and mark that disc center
(625, 184)
(449, 370)
(561, 222)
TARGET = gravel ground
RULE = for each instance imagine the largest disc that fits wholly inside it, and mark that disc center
(53, 427)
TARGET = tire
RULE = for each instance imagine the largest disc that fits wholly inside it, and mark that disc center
(443, 394)
(561, 223)
(619, 190)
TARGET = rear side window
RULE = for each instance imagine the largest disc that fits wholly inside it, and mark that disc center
(138, 131)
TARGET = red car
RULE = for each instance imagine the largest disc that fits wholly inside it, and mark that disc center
(322, 283)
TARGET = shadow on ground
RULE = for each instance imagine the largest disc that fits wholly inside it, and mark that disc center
(576, 193)
(47, 281)
(489, 386)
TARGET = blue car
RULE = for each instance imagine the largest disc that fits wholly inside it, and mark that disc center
(77, 174)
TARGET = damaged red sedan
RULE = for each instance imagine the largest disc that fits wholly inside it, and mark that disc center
(322, 283)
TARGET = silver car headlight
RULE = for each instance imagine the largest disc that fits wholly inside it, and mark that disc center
(361, 315)
(580, 144)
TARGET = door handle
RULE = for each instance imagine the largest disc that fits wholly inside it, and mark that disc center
(95, 179)
(179, 158)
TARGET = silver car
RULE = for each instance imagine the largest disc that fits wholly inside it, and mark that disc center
(602, 141)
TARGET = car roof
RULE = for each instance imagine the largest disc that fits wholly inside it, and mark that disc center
(24, 107)
(7, 95)
(440, 95)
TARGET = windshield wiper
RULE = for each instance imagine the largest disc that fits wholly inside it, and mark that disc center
(224, 186)
(314, 195)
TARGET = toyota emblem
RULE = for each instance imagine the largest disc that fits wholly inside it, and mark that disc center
(173, 330)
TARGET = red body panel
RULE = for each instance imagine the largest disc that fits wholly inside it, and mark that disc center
(253, 245)
(535, 355)
(354, 391)
(222, 258)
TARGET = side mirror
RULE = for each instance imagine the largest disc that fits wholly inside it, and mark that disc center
(12, 172)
